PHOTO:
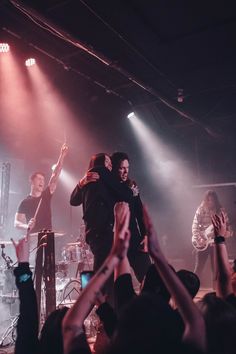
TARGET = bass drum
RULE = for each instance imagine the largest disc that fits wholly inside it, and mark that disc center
(72, 290)
(60, 286)
(68, 291)
(71, 293)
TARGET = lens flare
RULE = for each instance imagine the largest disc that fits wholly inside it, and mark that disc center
(30, 62)
(4, 47)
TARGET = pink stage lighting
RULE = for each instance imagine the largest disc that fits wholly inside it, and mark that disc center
(4, 47)
(30, 62)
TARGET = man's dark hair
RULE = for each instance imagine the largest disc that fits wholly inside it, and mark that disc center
(32, 177)
(220, 320)
(51, 340)
(117, 158)
(147, 325)
(153, 283)
(190, 281)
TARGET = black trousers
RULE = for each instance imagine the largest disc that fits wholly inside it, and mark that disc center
(138, 260)
(200, 262)
(101, 244)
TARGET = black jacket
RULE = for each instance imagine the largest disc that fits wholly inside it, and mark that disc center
(98, 200)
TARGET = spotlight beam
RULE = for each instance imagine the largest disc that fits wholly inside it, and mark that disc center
(165, 166)
(58, 32)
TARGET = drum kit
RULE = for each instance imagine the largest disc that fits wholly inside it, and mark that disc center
(75, 257)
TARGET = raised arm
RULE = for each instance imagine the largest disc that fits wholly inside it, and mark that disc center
(57, 170)
(123, 286)
(74, 319)
(194, 332)
(27, 324)
(76, 197)
(222, 268)
(229, 230)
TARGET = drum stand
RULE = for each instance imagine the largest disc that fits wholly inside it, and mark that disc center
(47, 271)
(10, 333)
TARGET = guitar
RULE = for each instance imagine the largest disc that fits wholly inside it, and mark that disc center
(204, 239)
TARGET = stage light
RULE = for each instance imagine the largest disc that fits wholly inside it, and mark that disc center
(68, 179)
(4, 47)
(180, 95)
(30, 62)
(131, 115)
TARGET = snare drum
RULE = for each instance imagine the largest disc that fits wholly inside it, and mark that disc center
(71, 254)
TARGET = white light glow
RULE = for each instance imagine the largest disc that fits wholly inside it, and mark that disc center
(131, 115)
(4, 47)
(30, 62)
(164, 164)
(68, 180)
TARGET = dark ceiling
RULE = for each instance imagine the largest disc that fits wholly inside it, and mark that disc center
(139, 53)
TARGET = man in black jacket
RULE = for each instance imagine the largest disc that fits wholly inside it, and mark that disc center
(98, 200)
(137, 255)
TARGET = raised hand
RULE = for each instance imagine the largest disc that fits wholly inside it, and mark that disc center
(89, 177)
(122, 218)
(121, 245)
(22, 249)
(144, 244)
(219, 223)
(31, 224)
(64, 149)
(133, 186)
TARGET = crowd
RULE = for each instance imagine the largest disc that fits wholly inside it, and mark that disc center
(162, 318)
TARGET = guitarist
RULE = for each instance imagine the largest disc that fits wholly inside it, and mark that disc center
(203, 231)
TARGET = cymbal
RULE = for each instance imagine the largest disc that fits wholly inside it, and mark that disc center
(9, 296)
(74, 244)
(3, 242)
(56, 234)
